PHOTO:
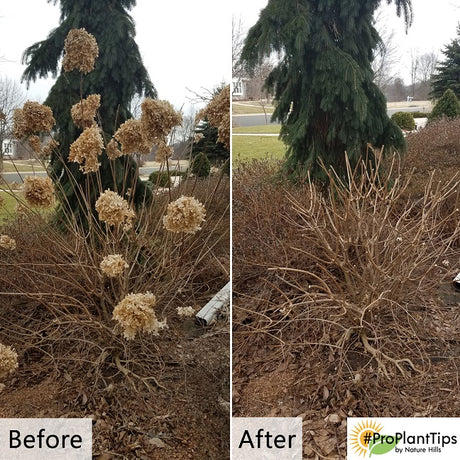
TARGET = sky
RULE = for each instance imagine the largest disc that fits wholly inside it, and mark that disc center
(182, 46)
(434, 26)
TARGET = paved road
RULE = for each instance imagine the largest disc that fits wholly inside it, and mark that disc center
(252, 120)
(260, 119)
(18, 178)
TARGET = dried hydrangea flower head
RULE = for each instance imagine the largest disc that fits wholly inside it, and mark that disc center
(50, 147)
(2, 116)
(84, 112)
(8, 360)
(163, 152)
(32, 118)
(86, 149)
(113, 265)
(217, 113)
(114, 210)
(81, 51)
(158, 119)
(38, 191)
(224, 131)
(19, 124)
(185, 312)
(7, 242)
(112, 150)
(35, 143)
(132, 139)
(198, 137)
(38, 117)
(185, 215)
(135, 314)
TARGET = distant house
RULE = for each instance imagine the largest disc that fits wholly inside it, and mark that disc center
(239, 89)
(9, 147)
(13, 148)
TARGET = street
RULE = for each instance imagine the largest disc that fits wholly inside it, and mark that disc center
(11, 177)
(261, 119)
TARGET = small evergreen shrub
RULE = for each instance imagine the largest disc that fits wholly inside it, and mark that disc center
(448, 106)
(201, 166)
(404, 120)
(160, 179)
(420, 114)
(176, 172)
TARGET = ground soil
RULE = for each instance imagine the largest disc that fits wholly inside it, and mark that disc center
(312, 385)
(184, 414)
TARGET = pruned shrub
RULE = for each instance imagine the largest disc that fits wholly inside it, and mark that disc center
(346, 269)
(404, 120)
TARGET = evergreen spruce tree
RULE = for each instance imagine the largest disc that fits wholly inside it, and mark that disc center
(118, 76)
(447, 74)
(208, 144)
(323, 84)
(447, 106)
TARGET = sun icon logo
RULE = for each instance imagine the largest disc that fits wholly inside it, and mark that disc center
(362, 435)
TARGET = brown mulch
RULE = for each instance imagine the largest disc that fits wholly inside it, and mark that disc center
(184, 414)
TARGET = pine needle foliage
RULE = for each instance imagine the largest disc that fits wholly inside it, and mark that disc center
(323, 85)
(447, 75)
(118, 76)
(447, 106)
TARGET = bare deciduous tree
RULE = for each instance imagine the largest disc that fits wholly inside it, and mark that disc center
(422, 67)
(239, 32)
(11, 97)
(387, 54)
(427, 65)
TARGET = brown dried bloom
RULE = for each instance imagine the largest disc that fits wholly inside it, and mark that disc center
(50, 147)
(114, 210)
(224, 131)
(185, 312)
(35, 143)
(37, 117)
(132, 139)
(184, 215)
(2, 116)
(217, 113)
(84, 112)
(158, 119)
(163, 152)
(38, 191)
(81, 51)
(8, 360)
(19, 124)
(7, 242)
(86, 149)
(112, 150)
(198, 137)
(135, 314)
(113, 265)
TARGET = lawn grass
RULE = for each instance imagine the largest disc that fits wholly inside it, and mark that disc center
(241, 109)
(7, 206)
(262, 129)
(8, 166)
(256, 147)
